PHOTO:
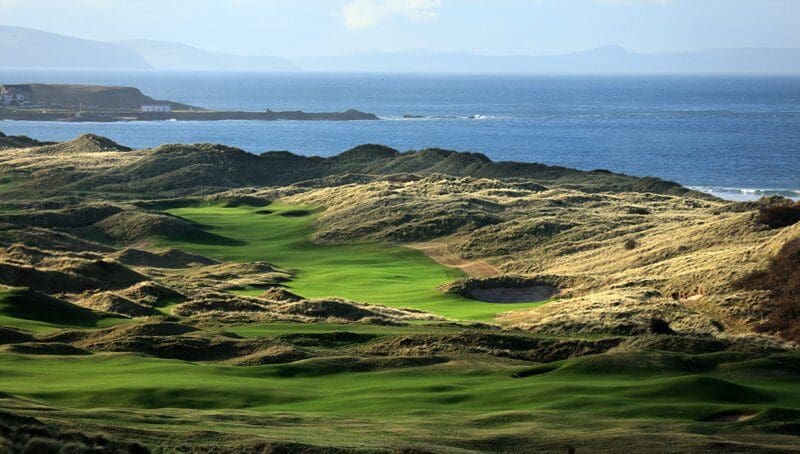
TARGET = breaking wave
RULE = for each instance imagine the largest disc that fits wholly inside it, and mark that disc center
(442, 117)
(746, 194)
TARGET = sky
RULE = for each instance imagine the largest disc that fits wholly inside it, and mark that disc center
(296, 28)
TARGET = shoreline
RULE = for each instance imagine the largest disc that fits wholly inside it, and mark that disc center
(746, 194)
(126, 116)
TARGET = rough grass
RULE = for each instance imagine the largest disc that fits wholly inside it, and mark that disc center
(782, 280)
(7, 184)
(628, 253)
(372, 272)
(278, 328)
(776, 217)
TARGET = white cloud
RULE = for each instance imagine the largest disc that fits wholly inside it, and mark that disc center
(369, 13)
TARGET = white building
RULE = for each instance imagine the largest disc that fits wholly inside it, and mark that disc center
(157, 108)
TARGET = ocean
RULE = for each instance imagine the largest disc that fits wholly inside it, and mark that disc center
(736, 137)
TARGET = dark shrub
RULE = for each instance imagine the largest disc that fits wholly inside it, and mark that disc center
(660, 326)
(42, 446)
(638, 210)
(777, 217)
(74, 448)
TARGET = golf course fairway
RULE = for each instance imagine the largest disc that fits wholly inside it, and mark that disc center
(372, 273)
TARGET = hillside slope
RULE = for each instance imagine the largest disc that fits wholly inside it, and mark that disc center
(28, 48)
(185, 169)
(95, 96)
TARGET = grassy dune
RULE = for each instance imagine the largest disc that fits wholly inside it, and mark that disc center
(278, 328)
(38, 313)
(373, 273)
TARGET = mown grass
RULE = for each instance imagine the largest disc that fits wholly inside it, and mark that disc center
(373, 273)
(606, 388)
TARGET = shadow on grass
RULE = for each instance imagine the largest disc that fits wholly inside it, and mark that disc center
(30, 305)
(199, 234)
(206, 238)
(295, 213)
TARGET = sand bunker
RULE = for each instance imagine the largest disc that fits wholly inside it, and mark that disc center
(295, 213)
(514, 295)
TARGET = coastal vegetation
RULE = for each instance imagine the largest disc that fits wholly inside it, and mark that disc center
(199, 298)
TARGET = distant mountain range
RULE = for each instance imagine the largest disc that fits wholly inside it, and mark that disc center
(27, 48)
(165, 55)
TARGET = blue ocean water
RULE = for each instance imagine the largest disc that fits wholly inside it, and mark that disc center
(736, 136)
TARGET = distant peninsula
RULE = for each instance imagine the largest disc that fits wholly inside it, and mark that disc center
(55, 102)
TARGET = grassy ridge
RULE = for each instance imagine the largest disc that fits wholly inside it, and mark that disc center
(117, 380)
(471, 401)
(373, 273)
(277, 328)
(20, 308)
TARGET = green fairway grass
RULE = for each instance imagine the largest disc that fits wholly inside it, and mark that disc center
(590, 389)
(373, 273)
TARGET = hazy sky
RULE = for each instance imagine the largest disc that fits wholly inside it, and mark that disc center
(497, 27)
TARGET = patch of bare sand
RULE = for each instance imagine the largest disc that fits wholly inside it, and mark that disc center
(437, 251)
(730, 416)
